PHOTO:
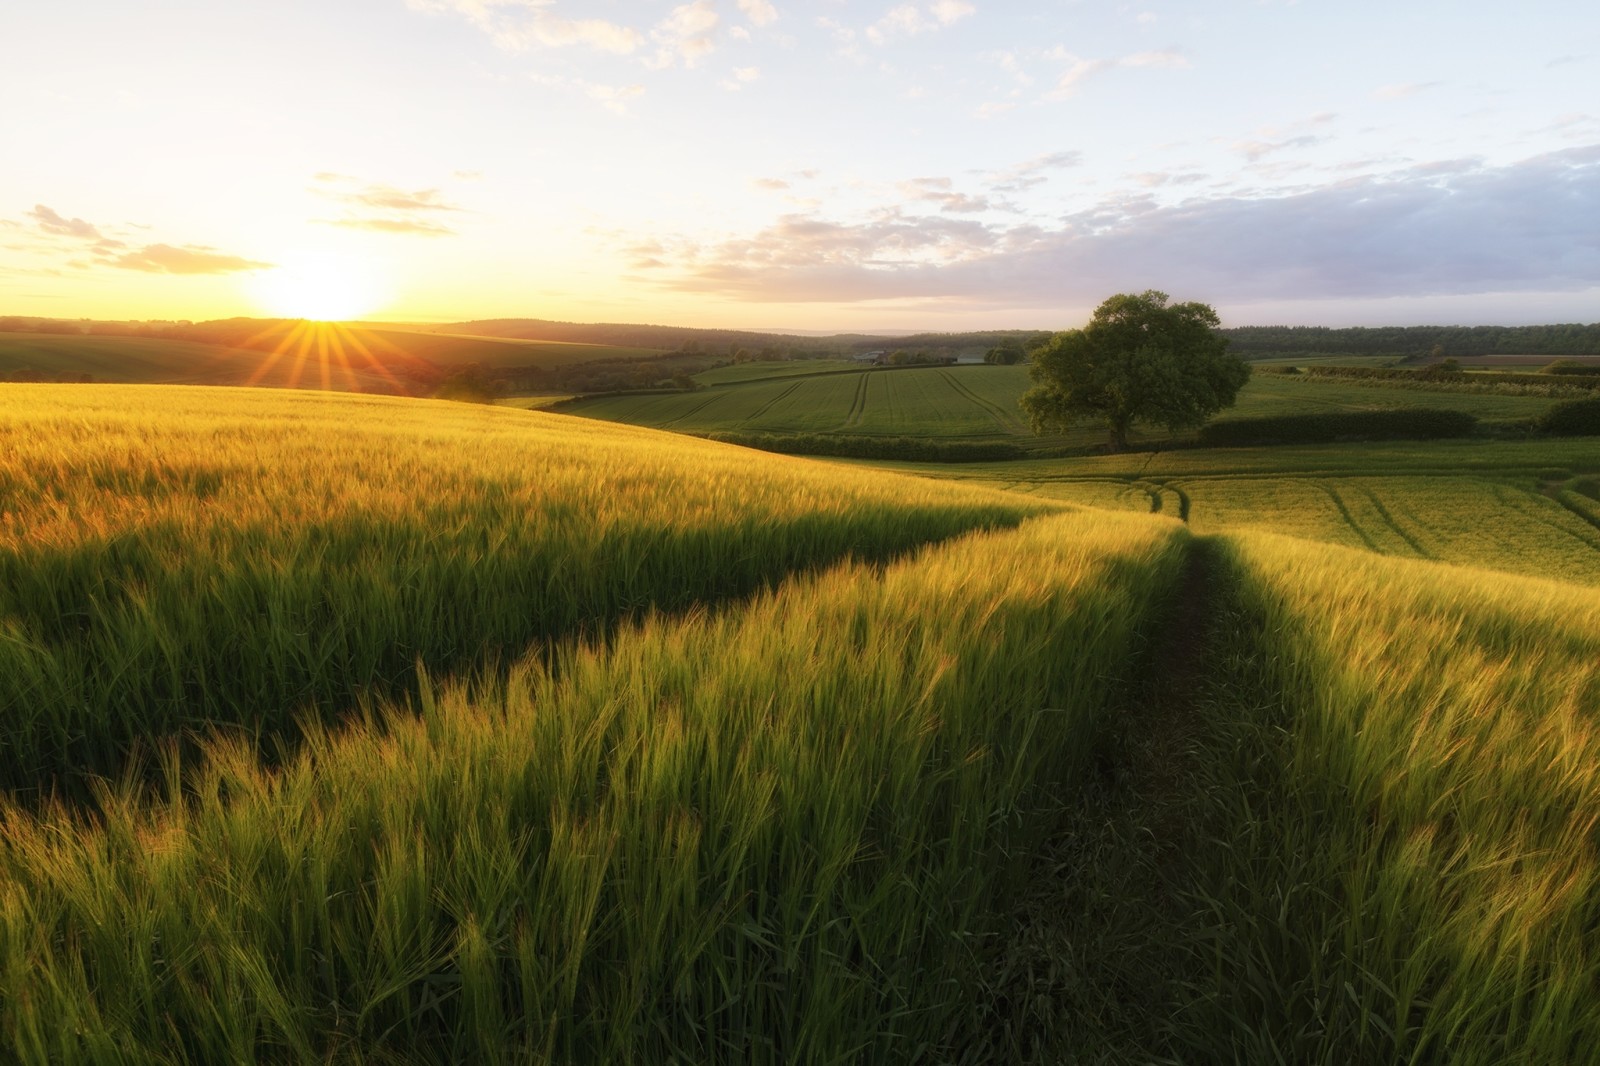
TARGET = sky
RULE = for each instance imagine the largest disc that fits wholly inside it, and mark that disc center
(771, 164)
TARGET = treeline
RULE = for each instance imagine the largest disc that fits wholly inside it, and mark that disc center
(230, 332)
(1413, 341)
(934, 346)
(1583, 378)
(671, 370)
(1570, 418)
(1408, 423)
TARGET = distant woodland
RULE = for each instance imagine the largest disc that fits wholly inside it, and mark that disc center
(1564, 339)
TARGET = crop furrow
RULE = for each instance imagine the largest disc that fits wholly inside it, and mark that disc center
(1401, 531)
(1006, 420)
(761, 411)
(1350, 519)
(858, 403)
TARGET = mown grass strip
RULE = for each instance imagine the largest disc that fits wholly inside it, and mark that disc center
(782, 834)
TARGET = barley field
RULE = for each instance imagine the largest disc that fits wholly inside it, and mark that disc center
(357, 729)
(184, 557)
(1408, 775)
(775, 834)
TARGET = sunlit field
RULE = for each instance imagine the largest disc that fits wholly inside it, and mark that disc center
(292, 354)
(1405, 767)
(175, 558)
(816, 798)
(366, 729)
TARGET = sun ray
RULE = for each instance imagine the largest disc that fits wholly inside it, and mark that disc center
(342, 353)
(301, 352)
(277, 353)
(353, 337)
(320, 330)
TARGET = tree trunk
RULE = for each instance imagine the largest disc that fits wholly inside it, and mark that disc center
(1119, 434)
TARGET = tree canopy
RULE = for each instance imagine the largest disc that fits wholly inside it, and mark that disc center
(1138, 359)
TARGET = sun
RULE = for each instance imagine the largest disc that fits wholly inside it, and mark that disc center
(321, 286)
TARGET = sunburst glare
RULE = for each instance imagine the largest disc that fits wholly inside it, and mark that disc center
(321, 286)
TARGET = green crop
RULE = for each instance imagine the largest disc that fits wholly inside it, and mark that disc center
(174, 559)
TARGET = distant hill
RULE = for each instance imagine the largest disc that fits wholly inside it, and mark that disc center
(283, 353)
(680, 338)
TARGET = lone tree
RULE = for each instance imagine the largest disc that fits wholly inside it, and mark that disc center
(1137, 359)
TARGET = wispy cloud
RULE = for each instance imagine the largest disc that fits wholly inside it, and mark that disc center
(1402, 90)
(52, 223)
(87, 246)
(1080, 70)
(384, 208)
(1302, 133)
(392, 199)
(1155, 179)
(187, 259)
(517, 25)
(412, 226)
(685, 36)
(1035, 171)
(908, 20)
(739, 78)
(759, 12)
(613, 98)
(942, 192)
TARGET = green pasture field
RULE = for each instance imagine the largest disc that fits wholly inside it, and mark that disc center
(1515, 506)
(975, 403)
(952, 402)
(362, 729)
(740, 373)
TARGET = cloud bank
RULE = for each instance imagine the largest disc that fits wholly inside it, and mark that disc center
(1450, 228)
(75, 236)
(188, 259)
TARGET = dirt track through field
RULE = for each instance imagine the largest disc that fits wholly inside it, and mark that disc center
(1092, 961)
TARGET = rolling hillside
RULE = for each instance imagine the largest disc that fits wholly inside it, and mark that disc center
(975, 403)
(1531, 507)
(356, 728)
(283, 355)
